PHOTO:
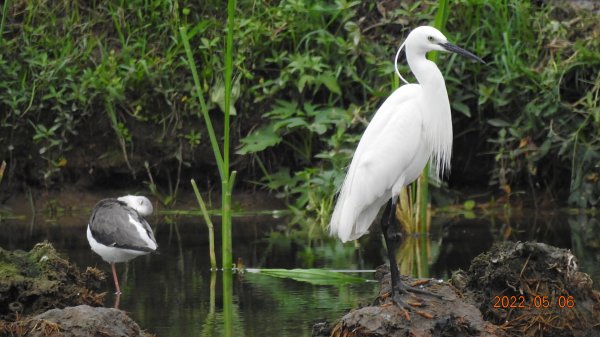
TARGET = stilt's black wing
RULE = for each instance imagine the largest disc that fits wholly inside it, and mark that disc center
(111, 225)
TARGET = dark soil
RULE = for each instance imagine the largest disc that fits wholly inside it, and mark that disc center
(515, 289)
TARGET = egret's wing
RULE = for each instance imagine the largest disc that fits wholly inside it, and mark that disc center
(386, 150)
(392, 105)
(113, 223)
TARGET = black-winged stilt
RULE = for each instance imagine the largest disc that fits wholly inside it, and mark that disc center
(118, 232)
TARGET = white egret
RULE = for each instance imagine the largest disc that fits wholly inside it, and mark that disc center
(412, 126)
(118, 232)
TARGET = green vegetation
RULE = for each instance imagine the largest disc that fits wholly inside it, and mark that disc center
(538, 106)
(100, 89)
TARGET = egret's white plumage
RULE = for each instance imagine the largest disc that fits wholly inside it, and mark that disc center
(412, 126)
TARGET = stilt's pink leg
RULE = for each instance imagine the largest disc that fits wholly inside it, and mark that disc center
(114, 271)
(117, 301)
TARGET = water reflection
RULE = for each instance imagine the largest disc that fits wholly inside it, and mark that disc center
(174, 293)
(459, 241)
(585, 243)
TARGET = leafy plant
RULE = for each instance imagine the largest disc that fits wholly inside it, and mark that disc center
(539, 77)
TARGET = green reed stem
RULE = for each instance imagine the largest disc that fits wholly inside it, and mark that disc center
(209, 225)
(222, 158)
(227, 180)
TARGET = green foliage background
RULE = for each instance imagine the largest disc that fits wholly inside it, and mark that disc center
(92, 90)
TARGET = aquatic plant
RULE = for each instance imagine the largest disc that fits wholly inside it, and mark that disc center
(221, 157)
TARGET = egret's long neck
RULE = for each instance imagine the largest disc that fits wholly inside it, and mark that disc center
(437, 120)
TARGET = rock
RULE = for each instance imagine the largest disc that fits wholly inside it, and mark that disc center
(515, 289)
(430, 316)
(78, 321)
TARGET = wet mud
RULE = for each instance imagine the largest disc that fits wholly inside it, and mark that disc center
(515, 289)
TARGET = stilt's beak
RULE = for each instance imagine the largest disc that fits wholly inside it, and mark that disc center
(456, 49)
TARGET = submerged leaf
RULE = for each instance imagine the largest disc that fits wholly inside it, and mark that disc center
(312, 276)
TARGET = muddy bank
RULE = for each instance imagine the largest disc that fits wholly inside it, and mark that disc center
(43, 294)
(515, 289)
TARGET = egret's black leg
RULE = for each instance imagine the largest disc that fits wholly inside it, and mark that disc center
(392, 236)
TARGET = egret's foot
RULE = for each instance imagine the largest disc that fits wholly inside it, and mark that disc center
(415, 290)
(403, 289)
(400, 303)
(413, 303)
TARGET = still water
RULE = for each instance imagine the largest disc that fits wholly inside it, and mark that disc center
(173, 293)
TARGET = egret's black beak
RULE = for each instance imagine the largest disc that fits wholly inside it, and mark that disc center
(456, 49)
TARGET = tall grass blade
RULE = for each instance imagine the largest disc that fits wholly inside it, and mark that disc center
(227, 180)
(222, 158)
(209, 224)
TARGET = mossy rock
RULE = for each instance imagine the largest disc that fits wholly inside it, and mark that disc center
(35, 281)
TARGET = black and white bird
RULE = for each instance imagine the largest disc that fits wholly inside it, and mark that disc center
(118, 232)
